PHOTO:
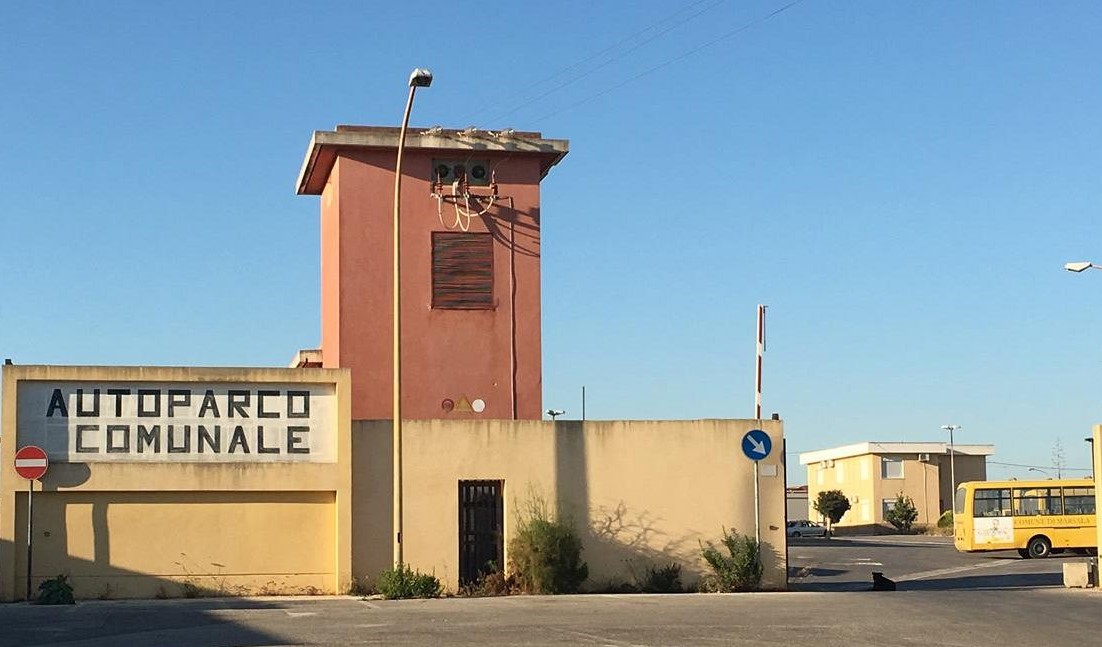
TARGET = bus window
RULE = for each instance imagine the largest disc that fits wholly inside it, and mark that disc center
(1079, 500)
(958, 502)
(991, 503)
(1037, 501)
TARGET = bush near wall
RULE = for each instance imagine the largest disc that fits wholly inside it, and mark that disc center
(401, 583)
(545, 554)
(55, 591)
(737, 569)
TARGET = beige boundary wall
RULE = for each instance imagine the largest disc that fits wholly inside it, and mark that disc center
(129, 511)
(163, 514)
(640, 492)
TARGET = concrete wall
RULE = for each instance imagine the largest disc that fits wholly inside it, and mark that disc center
(797, 506)
(165, 525)
(639, 492)
(457, 355)
(854, 477)
(132, 524)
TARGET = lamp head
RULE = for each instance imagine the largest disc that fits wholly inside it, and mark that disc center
(1078, 266)
(420, 78)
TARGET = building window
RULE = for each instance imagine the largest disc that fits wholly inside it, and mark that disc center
(462, 271)
(891, 468)
(886, 506)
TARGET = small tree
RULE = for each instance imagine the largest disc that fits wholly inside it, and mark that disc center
(832, 504)
(902, 514)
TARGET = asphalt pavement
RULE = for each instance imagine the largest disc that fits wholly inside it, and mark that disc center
(914, 563)
(943, 598)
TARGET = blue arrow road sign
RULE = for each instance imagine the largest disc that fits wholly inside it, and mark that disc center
(756, 444)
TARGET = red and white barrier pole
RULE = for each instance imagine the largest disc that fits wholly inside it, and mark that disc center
(761, 350)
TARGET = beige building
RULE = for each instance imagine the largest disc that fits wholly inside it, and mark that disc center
(872, 474)
(198, 481)
(797, 506)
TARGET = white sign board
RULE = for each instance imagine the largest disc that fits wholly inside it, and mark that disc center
(993, 530)
(170, 422)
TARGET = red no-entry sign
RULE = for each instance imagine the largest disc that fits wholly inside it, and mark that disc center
(31, 463)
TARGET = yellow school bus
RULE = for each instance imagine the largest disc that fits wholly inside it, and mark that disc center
(1036, 518)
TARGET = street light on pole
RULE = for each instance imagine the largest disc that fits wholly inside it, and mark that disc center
(952, 461)
(1034, 469)
(419, 78)
(1081, 266)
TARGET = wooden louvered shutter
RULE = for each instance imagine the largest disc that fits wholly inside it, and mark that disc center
(462, 271)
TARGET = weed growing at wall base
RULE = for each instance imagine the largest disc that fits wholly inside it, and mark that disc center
(55, 591)
(650, 578)
(401, 583)
(738, 570)
(545, 555)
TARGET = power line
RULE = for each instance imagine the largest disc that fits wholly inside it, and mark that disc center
(1040, 467)
(599, 53)
(592, 70)
(738, 30)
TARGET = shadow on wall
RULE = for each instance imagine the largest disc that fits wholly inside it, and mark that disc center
(621, 544)
(73, 536)
(24, 628)
(629, 545)
(373, 518)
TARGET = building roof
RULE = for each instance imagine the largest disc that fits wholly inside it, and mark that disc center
(324, 147)
(860, 449)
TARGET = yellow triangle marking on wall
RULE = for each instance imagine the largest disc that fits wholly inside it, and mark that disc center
(463, 405)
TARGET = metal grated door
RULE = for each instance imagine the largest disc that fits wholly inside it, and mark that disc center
(481, 529)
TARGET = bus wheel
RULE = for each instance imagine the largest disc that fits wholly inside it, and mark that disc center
(1039, 547)
(1024, 553)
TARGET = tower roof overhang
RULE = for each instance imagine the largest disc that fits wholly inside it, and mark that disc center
(326, 146)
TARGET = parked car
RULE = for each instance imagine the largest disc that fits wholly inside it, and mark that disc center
(805, 529)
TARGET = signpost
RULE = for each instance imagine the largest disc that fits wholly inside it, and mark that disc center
(30, 463)
(756, 445)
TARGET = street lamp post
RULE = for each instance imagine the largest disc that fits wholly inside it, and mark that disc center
(1081, 266)
(419, 78)
(1034, 469)
(952, 461)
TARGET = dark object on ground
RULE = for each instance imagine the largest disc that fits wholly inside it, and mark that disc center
(881, 583)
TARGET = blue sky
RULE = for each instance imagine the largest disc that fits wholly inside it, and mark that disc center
(901, 183)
